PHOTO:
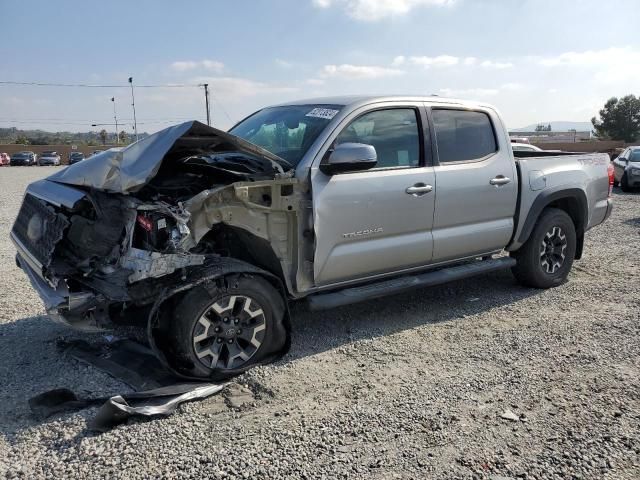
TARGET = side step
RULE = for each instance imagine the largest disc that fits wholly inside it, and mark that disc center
(322, 301)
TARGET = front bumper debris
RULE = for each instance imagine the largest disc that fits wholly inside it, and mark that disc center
(75, 309)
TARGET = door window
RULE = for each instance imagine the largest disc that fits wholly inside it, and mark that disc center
(394, 134)
(463, 135)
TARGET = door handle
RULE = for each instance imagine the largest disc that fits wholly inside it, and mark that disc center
(500, 180)
(419, 189)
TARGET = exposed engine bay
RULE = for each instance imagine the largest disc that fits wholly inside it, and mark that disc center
(118, 233)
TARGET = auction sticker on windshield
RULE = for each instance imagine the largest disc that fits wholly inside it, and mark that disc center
(327, 113)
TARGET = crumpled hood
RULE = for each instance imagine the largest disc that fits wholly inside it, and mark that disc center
(128, 169)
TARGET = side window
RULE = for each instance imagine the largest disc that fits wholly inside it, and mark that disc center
(394, 134)
(463, 135)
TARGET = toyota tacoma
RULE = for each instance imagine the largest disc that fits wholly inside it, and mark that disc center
(205, 236)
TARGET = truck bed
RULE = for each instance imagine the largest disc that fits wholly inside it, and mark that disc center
(543, 175)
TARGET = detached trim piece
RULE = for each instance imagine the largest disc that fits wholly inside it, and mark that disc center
(389, 287)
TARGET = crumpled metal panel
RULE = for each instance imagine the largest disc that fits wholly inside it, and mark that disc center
(145, 264)
(128, 169)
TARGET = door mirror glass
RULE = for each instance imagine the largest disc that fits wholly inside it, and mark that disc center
(350, 157)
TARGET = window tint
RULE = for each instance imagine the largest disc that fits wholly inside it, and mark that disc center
(393, 133)
(463, 135)
(635, 156)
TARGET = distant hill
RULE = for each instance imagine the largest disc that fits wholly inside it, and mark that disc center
(558, 127)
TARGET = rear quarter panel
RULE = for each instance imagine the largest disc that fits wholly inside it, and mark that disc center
(544, 175)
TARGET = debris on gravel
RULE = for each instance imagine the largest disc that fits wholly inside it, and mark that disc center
(410, 386)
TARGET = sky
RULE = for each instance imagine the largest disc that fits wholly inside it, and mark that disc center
(535, 60)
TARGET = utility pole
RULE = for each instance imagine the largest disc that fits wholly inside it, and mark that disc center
(206, 100)
(115, 119)
(133, 104)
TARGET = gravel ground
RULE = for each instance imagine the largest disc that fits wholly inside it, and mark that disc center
(476, 379)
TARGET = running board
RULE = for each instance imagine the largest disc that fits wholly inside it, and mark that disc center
(322, 301)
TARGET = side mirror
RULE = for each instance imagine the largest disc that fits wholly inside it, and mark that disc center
(350, 157)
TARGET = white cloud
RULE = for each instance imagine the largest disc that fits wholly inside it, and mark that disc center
(399, 60)
(496, 65)
(373, 10)
(608, 58)
(482, 92)
(439, 61)
(469, 92)
(187, 65)
(359, 71)
(512, 87)
(236, 87)
(283, 63)
(468, 61)
(315, 82)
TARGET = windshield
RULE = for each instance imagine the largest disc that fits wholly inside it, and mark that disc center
(286, 131)
(635, 156)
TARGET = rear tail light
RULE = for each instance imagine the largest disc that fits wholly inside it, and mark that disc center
(611, 177)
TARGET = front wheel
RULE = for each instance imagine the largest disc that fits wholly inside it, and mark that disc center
(544, 261)
(224, 329)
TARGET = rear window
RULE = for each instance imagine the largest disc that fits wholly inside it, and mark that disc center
(463, 135)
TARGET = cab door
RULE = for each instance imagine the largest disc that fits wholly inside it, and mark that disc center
(376, 221)
(477, 183)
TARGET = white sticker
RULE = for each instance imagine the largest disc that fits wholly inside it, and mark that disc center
(326, 113)
(162, 223)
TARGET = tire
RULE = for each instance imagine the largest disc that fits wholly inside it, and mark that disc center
(624, 184)
(215, 327)
(556, 234)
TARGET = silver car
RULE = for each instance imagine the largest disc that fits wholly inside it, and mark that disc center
(49, 158)
(626, 169)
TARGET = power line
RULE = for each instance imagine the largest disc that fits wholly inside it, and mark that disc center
(87, 85)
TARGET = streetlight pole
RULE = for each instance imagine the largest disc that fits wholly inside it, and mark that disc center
(206, 100)
(115, 119)
(133, 104)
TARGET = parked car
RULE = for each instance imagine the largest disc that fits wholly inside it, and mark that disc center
(524, 147)
(75, 157)
(49, 158)
(209, 234)
(4, 159)
(95, 152)
(626, 169)
(23, 158)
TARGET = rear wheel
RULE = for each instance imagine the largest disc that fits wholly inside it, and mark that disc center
(221, 331)
(545, 260)
(624, 184)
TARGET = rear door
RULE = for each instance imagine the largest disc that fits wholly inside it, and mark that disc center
(476, 180)
(376, 221)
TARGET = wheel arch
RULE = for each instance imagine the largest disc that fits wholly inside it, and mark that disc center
(573, 201)
(216, 271)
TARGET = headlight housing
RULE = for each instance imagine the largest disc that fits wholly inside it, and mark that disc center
(634, 171)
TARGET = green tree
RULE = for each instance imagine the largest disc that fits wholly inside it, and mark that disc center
(103, 136)
(619, 119)
(22, 140)
(123, 137)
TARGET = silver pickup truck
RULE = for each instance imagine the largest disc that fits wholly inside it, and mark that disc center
(204, 236)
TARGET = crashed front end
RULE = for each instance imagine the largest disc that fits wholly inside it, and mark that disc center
(111, 234)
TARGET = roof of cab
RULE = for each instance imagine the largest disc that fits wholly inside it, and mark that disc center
(357, 100)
